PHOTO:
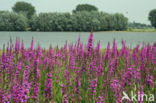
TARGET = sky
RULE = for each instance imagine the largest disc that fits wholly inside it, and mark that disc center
(135, 10)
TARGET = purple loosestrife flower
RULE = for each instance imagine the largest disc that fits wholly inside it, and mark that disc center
(64, 52)
(148, 51)
(99, 69)
(36, 80)
(104, 84)
(126, 53)
(17, 92)
(128, 76)
(26, 88)
(100, 100)
(26, 84)
(46, 61)
(119, 100)
(136, 76)
(35, 91)
(36, 66)
(154, 50)
(5, 97)
(90, 44)
(128, 62)
(112, 66)
(65, 99)
(142, 67)
(66, 75)
(26, 73)
(115, 86)
(63, 87)
(48, 87)
(18, 70)
(2, 96)
(38, 52)
(72, 61)
(66, 72)
(134, 55)
(17, 46)
(78, 84)
(108, 52)
(78, 42)
(23, 50)
(98, 49)
(151, 60)
(137, 48)
(123, 45)
(50, 52)
(92, 67)
(143, 55)
(3, 61)
(150, 81)
(10, 71)
(140, 95)
(93, 86)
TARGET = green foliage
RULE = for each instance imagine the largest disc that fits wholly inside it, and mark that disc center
(84, 21)
(24, 8)
(85, 7)
(80, 21)
(12, 22)
(152, 17)
(120, 21)
(51, 22)
(142, 30)
(135, 25)
(85, 18)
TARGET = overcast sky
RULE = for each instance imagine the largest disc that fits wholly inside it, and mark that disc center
(135, 10)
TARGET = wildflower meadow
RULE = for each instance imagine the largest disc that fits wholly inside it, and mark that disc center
(77, 73)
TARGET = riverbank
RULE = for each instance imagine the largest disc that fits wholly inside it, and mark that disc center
(133, 30)
(128, 30)
(142, 30)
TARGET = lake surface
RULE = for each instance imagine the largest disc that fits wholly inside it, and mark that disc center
(59, 38)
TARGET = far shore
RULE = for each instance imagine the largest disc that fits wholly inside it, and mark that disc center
(128, 30)
(133, 30)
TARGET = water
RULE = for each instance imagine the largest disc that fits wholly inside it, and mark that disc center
(59, 38)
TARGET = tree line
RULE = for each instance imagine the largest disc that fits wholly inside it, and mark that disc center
(136, 25)
(84, 18)
(80, 21)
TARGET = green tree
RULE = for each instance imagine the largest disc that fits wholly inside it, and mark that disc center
(12, 22)
(85, 7)
(51, 22)
(120, 22)
(85, 21)
(152, 17)
(24, 8)
(103, 21)
(33, 23)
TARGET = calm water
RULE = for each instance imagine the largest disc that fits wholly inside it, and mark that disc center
(59, 38)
